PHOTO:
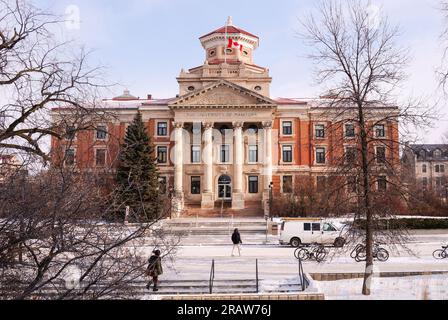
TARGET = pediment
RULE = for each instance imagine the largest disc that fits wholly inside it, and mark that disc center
(222, 94)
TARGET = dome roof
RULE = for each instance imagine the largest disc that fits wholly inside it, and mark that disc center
(231, 29)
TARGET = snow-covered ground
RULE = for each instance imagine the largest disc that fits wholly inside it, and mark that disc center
(407, 288)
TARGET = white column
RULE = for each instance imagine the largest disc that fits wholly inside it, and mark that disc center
(267, 126)
(267, 168)
(178, 167)
(238, 196)
(207, 194)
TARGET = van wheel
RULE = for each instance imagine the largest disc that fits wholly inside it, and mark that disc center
(295, 242)
(339, 242)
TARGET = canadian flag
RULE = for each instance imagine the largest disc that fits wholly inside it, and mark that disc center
(233, 44)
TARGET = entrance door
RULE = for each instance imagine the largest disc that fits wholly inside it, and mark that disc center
(225, 188)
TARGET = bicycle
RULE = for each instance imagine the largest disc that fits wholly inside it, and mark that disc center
(316, 252)
(441, 253)
(378, 253)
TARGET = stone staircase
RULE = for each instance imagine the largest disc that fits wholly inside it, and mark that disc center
(222, 210)
(215, 227)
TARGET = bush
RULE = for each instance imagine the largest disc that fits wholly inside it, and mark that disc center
(412, 223)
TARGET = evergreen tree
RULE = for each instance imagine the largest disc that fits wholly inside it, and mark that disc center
(137, 175)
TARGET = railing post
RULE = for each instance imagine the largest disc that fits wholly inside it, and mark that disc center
(256, 268)
(212, 277)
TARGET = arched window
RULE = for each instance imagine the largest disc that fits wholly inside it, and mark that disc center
(253, 129)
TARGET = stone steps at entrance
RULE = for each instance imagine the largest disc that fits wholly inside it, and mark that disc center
(252, 210)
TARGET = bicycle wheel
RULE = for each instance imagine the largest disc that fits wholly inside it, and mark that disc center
(355, 251)
(382, 255)
(439, 254)
(361, 255)
(303, 254)
(321, 254)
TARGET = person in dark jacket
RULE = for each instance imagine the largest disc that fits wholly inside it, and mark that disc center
(154, 270)
(236, 239)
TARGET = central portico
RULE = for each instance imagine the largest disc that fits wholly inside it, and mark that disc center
(227, 130)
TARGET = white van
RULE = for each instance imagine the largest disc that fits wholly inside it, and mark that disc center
(308, 231)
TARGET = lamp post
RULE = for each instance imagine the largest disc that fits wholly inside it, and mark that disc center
(271, 187)
(171, 194)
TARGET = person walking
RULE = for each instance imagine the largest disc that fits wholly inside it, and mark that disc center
(236, 239)
(154, 270)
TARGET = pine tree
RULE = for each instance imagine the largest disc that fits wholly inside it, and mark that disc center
(137, 175)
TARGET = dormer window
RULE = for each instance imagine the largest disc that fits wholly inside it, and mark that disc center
(422, 154)
(437, 154)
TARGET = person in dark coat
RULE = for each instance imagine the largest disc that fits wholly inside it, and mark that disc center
(154, 270)
(236, 239)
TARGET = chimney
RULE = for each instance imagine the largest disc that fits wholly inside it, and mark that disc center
(149, 96)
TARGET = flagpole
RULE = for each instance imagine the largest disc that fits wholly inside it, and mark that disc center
(225, 43)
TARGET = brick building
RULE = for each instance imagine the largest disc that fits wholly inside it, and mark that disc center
(223, 139)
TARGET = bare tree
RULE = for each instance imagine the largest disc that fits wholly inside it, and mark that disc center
(357, 57)
(38, 73)
(56, 243)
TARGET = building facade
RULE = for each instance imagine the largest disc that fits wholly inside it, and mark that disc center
(426, 166)
(223, 140)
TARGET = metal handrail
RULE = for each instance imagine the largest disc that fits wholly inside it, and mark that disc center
(303, 280)
(212, 277)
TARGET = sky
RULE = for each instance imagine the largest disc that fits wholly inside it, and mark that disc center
(145, 43)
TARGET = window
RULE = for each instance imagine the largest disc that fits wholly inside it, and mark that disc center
(101, 133)
(287, 184)
(320, 131)
(329, 228)
(438, 182)
(380, 154)
(424, 168)
(382, 183)
(162, 185)
(287, 154)
(195, 185)
(320, 156)
(350, 155)
(380, 131)
(253, 184)
(257, 88)
(70, 157)
(191, 88)
(352, 184)
(70, 133)
(212, 53)
(425, 183)
(100, 157)
(437, 154)
(225, 153)
(307, 227)
(287, 128)
(316, 226)
(350, 130)
(162, 154)
(195, 154)
(224, 130)
(422, 154)
(253, 129)
(321, 183)
(162, 129)
(253, 154)
(442, 168)
(437, 169)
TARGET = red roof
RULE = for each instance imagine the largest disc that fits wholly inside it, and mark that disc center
(230, 30)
